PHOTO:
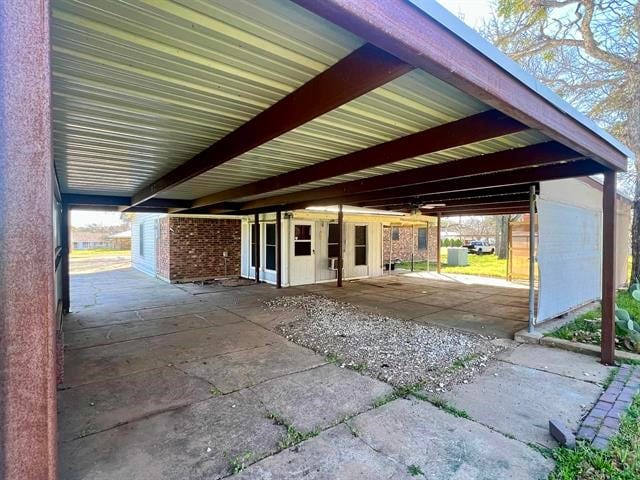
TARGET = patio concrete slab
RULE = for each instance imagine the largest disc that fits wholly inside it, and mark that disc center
(91, 337)
(320, 397)
(194, 442)
(407, 309)
(334, 454)
(124, 358)
(475, 322)
(442, 299)
(527, 399)
(562, 362)
(247, 368)
(484, 307)
(414, 432)
(98, 406)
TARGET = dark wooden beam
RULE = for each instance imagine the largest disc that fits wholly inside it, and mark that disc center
(65, 243)
(486, 205)
(81, 200)
(483, 126)
(256, 247)
(438, 236)
(361, 71)
(533, 155)
(471, 210)
(278, 249)
(478, 195)
(607, 348)
(467, 184)
(409, 33)
(340, 244)
(482, 201)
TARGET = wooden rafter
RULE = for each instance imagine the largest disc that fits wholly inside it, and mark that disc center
(361, 71)
(405, 31)
(463, 185)
(533, 155)
(482, 126)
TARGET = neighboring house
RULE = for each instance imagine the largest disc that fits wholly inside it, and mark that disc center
(181, 248)
(120, 241)
(82, 240)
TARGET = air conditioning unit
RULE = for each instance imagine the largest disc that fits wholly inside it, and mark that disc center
(333, 264)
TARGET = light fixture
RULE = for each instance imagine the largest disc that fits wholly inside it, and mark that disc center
(433, 205)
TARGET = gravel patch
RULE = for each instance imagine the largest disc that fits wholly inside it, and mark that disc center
(399, 352)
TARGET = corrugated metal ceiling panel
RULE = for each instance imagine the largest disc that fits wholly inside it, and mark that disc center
(411, 103)
(139, 87)
(479, 148)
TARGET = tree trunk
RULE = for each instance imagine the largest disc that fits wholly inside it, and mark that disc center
(633, 138)
(635, 228)
(502, 249)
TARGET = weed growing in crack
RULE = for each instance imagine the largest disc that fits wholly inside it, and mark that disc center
(332, 358)
(415, 470)
(215, 392)
(398, 392)
(443, 405)
(610, 377)
(293, 436)
(352, 429)
(239, 463)
(546, 452)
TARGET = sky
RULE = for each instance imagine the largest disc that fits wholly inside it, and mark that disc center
(471, 11)
(82, 218)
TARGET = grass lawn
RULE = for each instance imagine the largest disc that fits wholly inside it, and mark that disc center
(586, 328)
(483, 265)
(99, 252)
(621, 460)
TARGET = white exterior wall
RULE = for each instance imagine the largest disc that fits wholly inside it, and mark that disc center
(570, 245)
(145, 262)
(316, 268)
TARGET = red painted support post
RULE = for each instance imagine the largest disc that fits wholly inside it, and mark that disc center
(64, 265)
(28, 431)
(278, 249)
(256, 247)
(608, 268)
(340, 246)
(438, 241)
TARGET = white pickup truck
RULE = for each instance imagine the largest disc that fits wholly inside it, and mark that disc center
(479, 247)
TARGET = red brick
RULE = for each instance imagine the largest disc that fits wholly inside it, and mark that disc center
(192, 248)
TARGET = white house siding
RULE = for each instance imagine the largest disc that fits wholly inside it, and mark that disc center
(144, 260)
(320, 264)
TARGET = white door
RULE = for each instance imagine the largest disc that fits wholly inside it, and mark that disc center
(302, 270)
(359, 245)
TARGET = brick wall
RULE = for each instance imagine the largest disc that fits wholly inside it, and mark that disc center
(162, 250)
(401, 248)
(196, 248)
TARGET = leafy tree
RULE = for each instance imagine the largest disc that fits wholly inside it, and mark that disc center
(588, 52)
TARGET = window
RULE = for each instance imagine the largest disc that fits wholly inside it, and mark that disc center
(253, 245)
(395, 233)
(302, 241)
(361, 245)
(141, 239)
(333, 245)
(422, 239)
(270, 242)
